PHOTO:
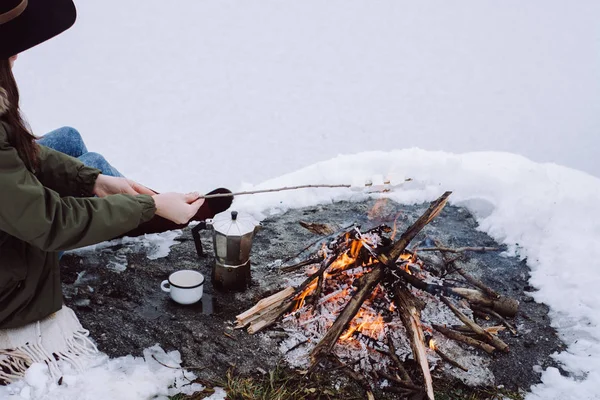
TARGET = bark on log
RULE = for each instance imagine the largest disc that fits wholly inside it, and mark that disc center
(493, 340)
(264, 304)
(503, 305)
(410, 315)
(367, 284)
(464, 339)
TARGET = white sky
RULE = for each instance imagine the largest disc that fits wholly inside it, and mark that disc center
(212, 93)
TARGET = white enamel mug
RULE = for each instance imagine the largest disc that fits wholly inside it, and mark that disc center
(185, 286)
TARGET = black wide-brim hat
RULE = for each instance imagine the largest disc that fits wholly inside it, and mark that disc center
(27, 23)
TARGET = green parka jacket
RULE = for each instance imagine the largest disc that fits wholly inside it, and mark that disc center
(43, 213)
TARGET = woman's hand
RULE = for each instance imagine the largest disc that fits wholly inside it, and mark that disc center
(107, 185)
(177, 207)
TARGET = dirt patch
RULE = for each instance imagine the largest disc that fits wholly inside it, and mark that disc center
(126, 311)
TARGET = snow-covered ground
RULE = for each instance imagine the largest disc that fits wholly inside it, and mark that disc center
(218, 93)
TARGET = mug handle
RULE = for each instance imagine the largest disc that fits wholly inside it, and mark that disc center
(164, 287)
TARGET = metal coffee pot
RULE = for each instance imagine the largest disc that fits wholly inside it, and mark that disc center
(232, 235)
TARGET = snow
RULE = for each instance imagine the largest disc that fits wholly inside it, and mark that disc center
(217, 93)
(155, 245)
(156, 375)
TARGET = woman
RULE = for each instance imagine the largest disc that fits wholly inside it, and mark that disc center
(51, 202)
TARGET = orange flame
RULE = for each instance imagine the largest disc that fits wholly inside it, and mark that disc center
(367, 323)
(306, 292)
(342, 262)
(355, 248)
(432, 344)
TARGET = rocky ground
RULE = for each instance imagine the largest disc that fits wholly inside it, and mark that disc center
(115, 292)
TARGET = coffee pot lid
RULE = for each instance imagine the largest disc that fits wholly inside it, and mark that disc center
(233, 223)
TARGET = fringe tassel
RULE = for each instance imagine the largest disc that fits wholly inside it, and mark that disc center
(73, 347)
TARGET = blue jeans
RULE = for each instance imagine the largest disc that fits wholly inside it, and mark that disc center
(67, 140)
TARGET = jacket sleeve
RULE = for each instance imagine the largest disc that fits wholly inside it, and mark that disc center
(40, 216)
(64, 174)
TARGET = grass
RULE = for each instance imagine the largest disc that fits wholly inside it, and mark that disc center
(283, 384)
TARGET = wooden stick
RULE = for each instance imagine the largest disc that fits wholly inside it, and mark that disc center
(315, 242)
(449, 360)
(295, 267)
(402, 383)
(217, 195)
(458, 250)
(359, 378)
(399, 365)
(434, 209)
(263, 304)
(495, 341)
(269, 316)
(502, 305)
(410, 315)
(464, 339)
(367, 284)
(477, 283)
(494, 314)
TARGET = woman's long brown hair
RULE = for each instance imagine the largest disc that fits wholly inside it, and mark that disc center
(19, 136)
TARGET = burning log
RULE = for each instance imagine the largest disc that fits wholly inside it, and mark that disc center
(495, 341)
(410, 314)
(464, 339)
(367, 284)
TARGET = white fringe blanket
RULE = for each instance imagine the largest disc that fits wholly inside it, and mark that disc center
(58, 337)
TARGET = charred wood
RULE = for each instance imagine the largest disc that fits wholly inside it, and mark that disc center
(493, 340)
(399, 365)
(459, 337)
(498, 317)
(449, 360)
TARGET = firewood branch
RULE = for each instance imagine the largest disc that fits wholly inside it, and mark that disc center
(464, 339)
(410, 314)
(493, 340)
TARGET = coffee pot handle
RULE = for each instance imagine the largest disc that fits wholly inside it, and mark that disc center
(196, 235)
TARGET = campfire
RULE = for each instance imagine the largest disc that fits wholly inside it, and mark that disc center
(369, 302)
